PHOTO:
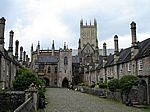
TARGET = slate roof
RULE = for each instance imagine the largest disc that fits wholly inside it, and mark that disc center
(6, 56)
(144, 49)
(75, 59)
(48, 59)
(100, 63)
(88, 44)
(124, 55)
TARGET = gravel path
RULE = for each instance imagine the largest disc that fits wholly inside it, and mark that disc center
(64, 100)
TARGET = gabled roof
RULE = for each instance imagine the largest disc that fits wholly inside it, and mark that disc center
(124, 55)
(88, 44)
(110, 60)
(100, 63)
(144, 48)
(48, 59)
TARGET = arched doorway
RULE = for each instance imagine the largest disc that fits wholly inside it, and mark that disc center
(143, 92)
(46, 81)
(65, 83)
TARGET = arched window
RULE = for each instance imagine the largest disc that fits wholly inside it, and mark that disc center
(65, 60)
(55, 69)
(49, 69)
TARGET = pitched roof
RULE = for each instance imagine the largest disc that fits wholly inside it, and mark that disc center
(87, 45)
(110, 60)
(144, 48)
(49, 59)
(124, 55)
(100, 63)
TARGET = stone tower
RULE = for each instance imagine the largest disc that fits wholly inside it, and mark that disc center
(88, 43)
(65, 67)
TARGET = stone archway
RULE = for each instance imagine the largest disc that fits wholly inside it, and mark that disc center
(46, 81)
(143, 92)
(65, 83)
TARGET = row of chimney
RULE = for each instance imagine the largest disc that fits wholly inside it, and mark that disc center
(116, 46)
(10, 48)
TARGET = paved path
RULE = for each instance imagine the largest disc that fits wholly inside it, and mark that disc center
(64, 100)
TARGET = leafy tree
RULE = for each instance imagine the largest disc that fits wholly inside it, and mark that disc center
(24, 79)
(126, 83)
(113, 85)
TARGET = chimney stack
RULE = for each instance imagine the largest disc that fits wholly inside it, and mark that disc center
(24, 57)
(16, 50)
(21, 52)
(104, 50)
(10, 49)
(133, 33)
(2, 30)
(64, 45)
(116, 44)
(53, 48)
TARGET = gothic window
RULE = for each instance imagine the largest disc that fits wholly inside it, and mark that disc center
(121, 68)
(55, 69)
(65, 60)
(129, 66)
(80, 60)
(41, 68)
(49, 70)
(140, 63)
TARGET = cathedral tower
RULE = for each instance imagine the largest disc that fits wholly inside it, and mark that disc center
(88, 43)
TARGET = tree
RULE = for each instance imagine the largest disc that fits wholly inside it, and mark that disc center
(126, 83)
(24, 79)
(113, 85)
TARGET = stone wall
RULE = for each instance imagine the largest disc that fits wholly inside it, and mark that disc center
(9, 101)
(114, 95)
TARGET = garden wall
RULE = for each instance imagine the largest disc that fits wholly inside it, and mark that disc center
(9, 101)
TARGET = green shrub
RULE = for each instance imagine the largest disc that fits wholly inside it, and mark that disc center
(24, 79)
(81, 84)
(113, 85)
(92, 85)
(97, 85)
(103, 85)
(126, 83)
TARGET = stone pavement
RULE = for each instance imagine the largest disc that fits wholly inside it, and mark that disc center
(64, 100)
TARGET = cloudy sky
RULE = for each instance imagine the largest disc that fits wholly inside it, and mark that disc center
(47, 20)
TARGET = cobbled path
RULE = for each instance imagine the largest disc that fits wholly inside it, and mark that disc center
(64, 100)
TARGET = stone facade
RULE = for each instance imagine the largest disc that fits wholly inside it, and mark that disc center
(8, 62)
(130, 61)
(54, 66)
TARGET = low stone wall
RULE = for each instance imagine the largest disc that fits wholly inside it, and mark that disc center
(102, 93)
(9, 101)
(27, 106)
(114, 95)
(93, 91)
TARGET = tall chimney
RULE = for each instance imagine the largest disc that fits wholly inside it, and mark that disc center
(21, 52)
(104, 50)
(16, 50)
(64, 45)
(81, 22)
(11, 35)
(27, 61)
(2, 29)
(116, 44)
(53, 48)
(24, 57)
(38, 48)
(133, 33)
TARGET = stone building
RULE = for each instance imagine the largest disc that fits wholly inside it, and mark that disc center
(88, 50)
(134, 60)
(8, 62)
(54, 66)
